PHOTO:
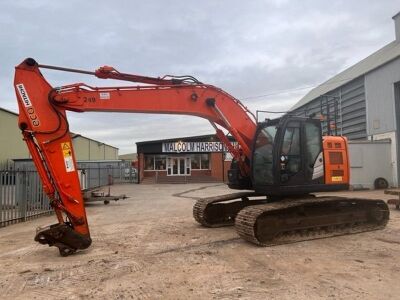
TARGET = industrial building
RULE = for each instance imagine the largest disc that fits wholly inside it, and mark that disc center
(11, 143)
(13, 147)
(363, 104)
(89, 149)
(194, 159)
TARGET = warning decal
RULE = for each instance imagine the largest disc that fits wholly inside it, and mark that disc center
(105, 96)
(67, 153)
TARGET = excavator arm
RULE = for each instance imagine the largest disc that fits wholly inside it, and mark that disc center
(44, 125)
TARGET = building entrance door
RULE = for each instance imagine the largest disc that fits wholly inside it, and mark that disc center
(178, 166)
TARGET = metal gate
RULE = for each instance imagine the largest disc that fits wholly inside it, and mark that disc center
(21, 191)
(21, 196)
(94, 174)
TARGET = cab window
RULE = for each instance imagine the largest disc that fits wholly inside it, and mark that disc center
(290, 153)
(263, 156)
(291, 141)
(313, 143)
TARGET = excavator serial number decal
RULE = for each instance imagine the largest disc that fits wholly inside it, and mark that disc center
(67, 153)
(28, 105)
(89, 99)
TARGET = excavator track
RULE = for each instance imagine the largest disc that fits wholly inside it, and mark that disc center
(290, 221)
(217, 212)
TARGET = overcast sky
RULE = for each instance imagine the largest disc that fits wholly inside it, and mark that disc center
(263, 52)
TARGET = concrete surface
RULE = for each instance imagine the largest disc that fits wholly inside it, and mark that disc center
(149, 247)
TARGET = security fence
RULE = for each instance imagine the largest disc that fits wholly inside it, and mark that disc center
(21, 196)
(94, 174)
(21, 192)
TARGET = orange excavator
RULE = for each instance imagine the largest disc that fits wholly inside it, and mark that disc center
(277, 163)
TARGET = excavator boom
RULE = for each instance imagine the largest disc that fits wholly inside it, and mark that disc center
(45, 129)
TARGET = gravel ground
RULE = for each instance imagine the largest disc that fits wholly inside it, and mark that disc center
(149, 247)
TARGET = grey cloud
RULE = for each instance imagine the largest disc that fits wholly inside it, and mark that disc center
(248, 48)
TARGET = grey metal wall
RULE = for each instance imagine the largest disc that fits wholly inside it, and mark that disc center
(379, 86)
(396, 135)
(350, 103)
(370, 160)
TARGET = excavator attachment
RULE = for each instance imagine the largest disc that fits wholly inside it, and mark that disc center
(309, 218)
(64, 237)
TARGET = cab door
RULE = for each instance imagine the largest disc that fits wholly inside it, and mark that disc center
(290, 155)
(300, 155)
(313, 156)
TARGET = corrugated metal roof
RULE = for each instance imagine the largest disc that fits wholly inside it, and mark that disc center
(382, 56)
(77, 135)
(8, 111)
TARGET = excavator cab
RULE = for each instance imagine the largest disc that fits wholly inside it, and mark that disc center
(290, 161)
(288, 158)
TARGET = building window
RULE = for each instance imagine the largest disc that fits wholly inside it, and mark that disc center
(160, 162)
(200, 161)
(187, 165)
(155, 162)
(195, 161)
(169, 166)
(205, 161)
(149, 162)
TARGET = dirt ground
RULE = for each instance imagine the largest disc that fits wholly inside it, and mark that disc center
(149, 247)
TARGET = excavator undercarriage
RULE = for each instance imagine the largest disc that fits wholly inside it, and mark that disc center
(267, 223)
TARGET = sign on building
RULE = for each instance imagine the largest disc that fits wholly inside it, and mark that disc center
(181, 147)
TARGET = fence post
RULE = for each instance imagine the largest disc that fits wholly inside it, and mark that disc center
(21, 192)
